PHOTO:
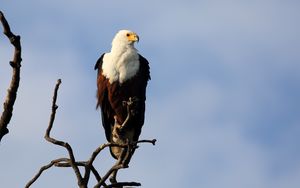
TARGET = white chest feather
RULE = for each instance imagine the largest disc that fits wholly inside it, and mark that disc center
(120, 66)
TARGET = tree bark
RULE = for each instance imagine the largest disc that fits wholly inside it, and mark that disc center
(14, 84)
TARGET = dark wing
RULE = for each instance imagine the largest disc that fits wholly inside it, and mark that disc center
(103, 102)
(142, 79)
(145, 69)
(134, 87)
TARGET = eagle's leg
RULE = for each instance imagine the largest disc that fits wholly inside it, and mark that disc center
(121, 161)
(117, 138)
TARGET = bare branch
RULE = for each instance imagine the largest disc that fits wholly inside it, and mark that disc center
(121, 184)
(89, 164)
(106, 176)
(61, 143)
(82, 181)
(43, 168)
(153, 142)
(14, 84)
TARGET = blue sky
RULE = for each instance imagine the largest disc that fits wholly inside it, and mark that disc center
(223, 101)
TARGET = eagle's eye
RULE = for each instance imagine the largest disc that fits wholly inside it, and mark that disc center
(127, 34)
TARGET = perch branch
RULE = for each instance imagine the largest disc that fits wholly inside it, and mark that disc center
(122, 163)
(14, 84)
(82, 181)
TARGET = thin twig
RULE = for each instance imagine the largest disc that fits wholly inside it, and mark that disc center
(83, 164)
(43, 168)
(110, 171)
(121, 184)
(14, 84)
(89, 164)
(153, 141)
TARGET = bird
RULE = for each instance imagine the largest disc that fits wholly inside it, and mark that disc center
(122, 79)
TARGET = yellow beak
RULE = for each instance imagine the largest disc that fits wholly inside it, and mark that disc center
(133, 37)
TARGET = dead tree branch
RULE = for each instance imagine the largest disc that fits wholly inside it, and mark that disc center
(14, 84)
(43, 168)
(82, 180)
(61, 143)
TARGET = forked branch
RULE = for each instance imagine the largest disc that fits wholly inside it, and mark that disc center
(83, 179)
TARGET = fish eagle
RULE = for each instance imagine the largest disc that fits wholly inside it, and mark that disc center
(122, 77)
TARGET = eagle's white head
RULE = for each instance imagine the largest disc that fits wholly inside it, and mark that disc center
(124, 39)
(122, 62)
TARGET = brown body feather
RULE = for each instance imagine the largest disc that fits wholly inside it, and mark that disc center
(111, 96)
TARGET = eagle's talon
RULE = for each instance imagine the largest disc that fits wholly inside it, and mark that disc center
(130, 101)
